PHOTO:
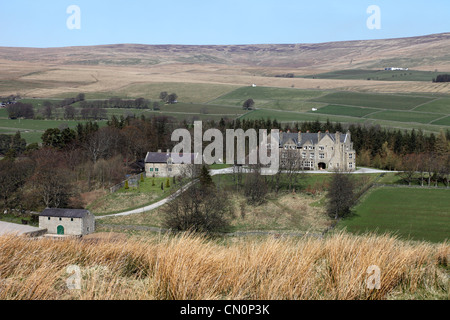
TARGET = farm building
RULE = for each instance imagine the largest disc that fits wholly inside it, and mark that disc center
(161, 164)
(76, 222)
(318, 151)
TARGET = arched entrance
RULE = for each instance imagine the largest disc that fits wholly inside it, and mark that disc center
(60, 230)
(322, 166)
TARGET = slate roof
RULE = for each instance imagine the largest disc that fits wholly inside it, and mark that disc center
(314, 138)
(64, 213)
(162, 157)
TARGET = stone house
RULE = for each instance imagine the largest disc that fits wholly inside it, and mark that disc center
(318, 151)
(75, 222)
(161, 164)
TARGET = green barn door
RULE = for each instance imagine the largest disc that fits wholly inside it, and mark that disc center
(60, 230)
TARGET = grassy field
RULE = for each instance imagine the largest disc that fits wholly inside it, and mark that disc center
(379, 101)
(411, 213)
(286, 99)
(427, 112)
(381, 75)
(129, 199)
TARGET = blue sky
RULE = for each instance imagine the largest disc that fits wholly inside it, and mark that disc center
(42, 23)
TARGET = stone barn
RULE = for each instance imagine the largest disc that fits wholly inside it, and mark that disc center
(75, 222)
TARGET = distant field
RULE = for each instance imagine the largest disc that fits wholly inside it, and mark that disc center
(187, 92)
(443, 122)
(406, 116)
(441, 105)
(32, 130)
(412, 213)
(346, 111)
(381, 75)
(380, 101)
(289, 99)
(285, 116)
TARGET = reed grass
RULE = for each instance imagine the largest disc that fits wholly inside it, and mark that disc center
(188, 266)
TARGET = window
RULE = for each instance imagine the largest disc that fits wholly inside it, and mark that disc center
(312, 155)
(60, 219)
(311, 148)
(304, 155)
(151, 169)
(350, 165)
(48, 218)
(156, 169)
(71, 219)
(321, 155)
(321, 148)
(170, 169)
(350, 156)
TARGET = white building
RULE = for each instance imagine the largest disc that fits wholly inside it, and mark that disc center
(76, 222)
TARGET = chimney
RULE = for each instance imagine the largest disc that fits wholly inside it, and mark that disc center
(299, 138)
(318, 136)
(338, 137)
(159, 150)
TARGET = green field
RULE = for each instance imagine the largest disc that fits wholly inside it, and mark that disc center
(406, 116)
(427, 112)
(378, 101)
(380, 75)
(346, 111)
(443, 122)
(411, 213)
(288, 99)
(441, 105)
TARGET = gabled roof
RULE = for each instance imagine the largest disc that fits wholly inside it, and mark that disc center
(64, 213)
(163, 157)
(313, 138)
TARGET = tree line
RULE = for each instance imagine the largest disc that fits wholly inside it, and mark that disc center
(442, 78)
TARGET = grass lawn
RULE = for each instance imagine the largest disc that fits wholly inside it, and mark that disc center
(129, 199)
(411, 213)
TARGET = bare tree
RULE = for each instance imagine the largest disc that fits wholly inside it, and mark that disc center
(255, 186)
(340, 195)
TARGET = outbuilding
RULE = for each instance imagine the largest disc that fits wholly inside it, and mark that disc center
(76, 222)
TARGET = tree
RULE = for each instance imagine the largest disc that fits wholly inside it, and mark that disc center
(48, 109)
(248, 104)
(340, 195)
(20, 110)
(205, 179)
(163, 96)
(172, 98)
(255, 187)
(198, 211)
(69, 112)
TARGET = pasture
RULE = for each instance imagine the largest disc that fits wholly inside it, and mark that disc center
(378, 75)
(378, 101)
(411, 213)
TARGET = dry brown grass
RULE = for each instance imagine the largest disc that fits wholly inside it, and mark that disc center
(192, 267)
